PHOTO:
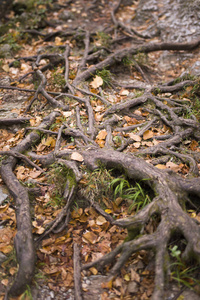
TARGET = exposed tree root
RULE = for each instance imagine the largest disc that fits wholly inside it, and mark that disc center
(171, 193)
(24, 245)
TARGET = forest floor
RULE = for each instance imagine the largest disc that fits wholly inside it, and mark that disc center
(100, 151)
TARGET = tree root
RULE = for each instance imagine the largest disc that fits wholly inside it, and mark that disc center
(169, 202)
(23, 240)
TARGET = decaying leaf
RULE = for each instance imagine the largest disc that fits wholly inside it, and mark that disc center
(90, 237)
(96, 82)
(102, 135)
(100, 220)
(173, 166)
(148, 134)
(77, 156)
(135, 137)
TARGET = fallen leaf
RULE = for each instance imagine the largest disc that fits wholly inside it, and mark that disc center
(100, 220)
(124, 92)
(127, 277)
(108, 211)
(50, 142)
(5, 282)
(94, 271)
(137, 112)
(77, 156)
(148, 134)
(135, 137)
(96, 82)
(67, 114)
(77, 213)
(101, 143)
(98, 117)
(6, 68)
(135, 276)
(58, 41)
(102, 134)
(137, 144)
(173, 166)
(91, 237)
(160, 166)
(34, 174)
(107, 285)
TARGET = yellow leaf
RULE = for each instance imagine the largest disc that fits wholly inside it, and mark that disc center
(97, 82)
(108, 211)
(148, 134)
(127, 277)
(94, 271)
(77, 156)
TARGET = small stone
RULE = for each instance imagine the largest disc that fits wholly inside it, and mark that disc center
(52, 294)
(87, 281)
(84, 285)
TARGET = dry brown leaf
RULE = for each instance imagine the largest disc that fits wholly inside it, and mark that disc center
(148, 134)
(77, 213)
(102, 134)
(5, 282)
(124, 92)
(135, 276)
(58, 41)
(173, 166)
(96, 82)
(98, 117)
(50, 142)
(100, 220)
(135, 137)
(137, 145)
(107, 285)
(34, 174)
(90, 237)
(77, 156)
(137, 112)
(6, 68)
(160, 166)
